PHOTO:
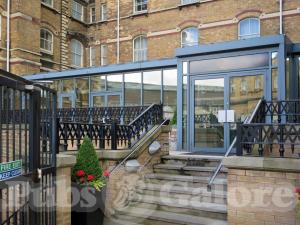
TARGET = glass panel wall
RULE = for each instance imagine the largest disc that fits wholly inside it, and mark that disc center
(82, 92)
(152, 87)
(274, 75)
(68, 85)
(170, 92)
(98, 83)
(133, 85)
(298, 77)
(115, 83)
(129, 89)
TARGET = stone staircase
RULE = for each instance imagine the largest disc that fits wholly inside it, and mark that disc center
(176, 193)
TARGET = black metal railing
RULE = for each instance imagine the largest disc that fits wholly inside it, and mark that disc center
(123, 115)
(273, 132)
(109, 135)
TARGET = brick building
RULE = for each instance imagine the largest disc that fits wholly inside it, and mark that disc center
(51, 35)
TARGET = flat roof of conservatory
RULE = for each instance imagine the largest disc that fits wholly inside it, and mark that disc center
(109, 69)
(237, 45)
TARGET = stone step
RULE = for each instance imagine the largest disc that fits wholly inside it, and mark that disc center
(184, 178)
(192, 203)
(171, 217)
(180, 169)
(192, 160)
(182, 192)
(132, 220)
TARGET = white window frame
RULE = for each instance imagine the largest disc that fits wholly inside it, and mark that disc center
(103, 12)
(93, 14)
(92, 56)
(189, 2)
(45, 40)
(247, 36)
(136, 5)
(81, 53)
(103, 55)
(76, 6)
(142, 50)
(191, 44)
(47, 4)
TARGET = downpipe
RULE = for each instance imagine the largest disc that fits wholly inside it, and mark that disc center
(8, 37)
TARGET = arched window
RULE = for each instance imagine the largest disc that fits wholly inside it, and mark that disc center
(189, 37)
(249, 28)
(77, 53)
(140, 48)
(46, 39)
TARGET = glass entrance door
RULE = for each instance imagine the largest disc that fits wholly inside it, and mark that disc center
(208, 99)
(244, 94)
(239, 92)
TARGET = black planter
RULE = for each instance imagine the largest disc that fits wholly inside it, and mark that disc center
(88, 205)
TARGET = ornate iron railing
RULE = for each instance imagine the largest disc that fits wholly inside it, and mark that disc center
(264, 139)
(123, 115)
(109, 136)
(274, 130)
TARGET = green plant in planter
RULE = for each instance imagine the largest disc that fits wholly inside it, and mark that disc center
(174, 119)
(87, 170)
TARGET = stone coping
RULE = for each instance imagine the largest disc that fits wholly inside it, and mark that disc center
(65, 160)
(262, 163)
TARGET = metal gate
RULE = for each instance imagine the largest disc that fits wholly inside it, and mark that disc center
(27, 152)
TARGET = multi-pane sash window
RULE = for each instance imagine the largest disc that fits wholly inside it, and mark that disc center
(48, 2)
(92, 14)
(103, 12)
(92, 56)
(140, 5)
(46, 40)
(77, 10)
(189, 37)
(186, 2)
(103, 55)
(140, 46)
(77, 53)
(249, 28)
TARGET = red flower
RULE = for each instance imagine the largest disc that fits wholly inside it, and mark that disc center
(90, 178)
(80, 173)
(106, 173)
(82, 180)
(298, 190)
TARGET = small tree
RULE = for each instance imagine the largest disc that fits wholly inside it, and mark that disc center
(174, 119)
(87, 170)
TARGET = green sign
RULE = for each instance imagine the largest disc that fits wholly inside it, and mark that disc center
(10, 169)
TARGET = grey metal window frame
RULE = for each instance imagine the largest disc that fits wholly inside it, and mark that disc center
(234, 48)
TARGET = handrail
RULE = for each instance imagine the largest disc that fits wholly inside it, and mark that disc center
(143, 113)
(132, 152)
(220, 165)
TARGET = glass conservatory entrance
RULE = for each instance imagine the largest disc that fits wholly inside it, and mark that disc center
(216, 94)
